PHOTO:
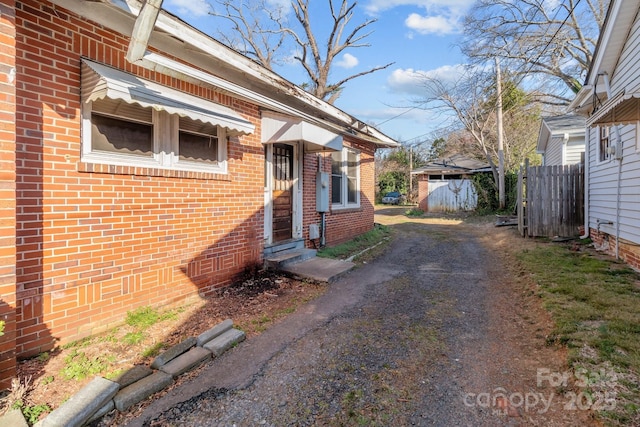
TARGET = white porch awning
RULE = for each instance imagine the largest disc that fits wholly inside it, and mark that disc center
(100, 81)
(280, 128)
(623, 108)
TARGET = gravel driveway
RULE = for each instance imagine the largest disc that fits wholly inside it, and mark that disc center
(433, 332)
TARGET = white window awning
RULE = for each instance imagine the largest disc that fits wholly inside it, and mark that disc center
(100, 81)
(278, 128)
(623, 108)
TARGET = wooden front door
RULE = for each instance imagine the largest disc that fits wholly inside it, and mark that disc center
(282, 192)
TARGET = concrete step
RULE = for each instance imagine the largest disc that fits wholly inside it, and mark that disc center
(278, 260)
(319, 269)
(289, 245)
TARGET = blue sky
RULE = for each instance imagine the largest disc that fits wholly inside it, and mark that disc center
(419, 36)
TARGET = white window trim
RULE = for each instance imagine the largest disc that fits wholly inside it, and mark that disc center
(607, 156)
(165, 150)
(345, 182)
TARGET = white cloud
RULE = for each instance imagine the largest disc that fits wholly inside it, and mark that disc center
(411, 81)
(347, 61)
(194, 8)
(376, 6)
(436, 16)
(430, 24)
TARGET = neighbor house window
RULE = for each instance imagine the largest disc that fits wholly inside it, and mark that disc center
(128, 134)
(345, 178)
(605, 144)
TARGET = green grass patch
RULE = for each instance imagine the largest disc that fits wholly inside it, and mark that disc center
(595, 305)
(413, 213)
(358, 244)
(133, 338)
(142, 317)
(78, 366)
(31, 413)
(153, 351)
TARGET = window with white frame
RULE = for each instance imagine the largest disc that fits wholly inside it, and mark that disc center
(121, 133)
(345, 178)
(604, 151)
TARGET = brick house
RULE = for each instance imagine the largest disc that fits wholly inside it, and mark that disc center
(144, 163)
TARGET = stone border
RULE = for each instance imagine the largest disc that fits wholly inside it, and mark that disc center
(101, 396)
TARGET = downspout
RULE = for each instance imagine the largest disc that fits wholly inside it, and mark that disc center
(565, 140)
(142, 29)
(618, 156)
(587, 161)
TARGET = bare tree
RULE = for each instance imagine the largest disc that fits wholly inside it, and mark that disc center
(262, 33)
(466, 98)
(471, 102)
(259, 29)
(553, 41)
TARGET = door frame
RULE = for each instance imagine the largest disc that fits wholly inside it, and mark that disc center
(296, 220)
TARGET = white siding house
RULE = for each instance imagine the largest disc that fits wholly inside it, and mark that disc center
(610, 100)
(561, 140)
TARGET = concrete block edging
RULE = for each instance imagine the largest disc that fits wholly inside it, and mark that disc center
(101, 396)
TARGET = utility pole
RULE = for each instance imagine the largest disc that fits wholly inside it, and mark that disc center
(500, 137)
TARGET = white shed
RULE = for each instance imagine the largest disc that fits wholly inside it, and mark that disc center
(610, 100)
(561, 140)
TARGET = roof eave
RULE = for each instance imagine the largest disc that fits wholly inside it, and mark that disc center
(169, 31)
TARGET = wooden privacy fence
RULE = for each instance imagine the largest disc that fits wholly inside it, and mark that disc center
(550, 200)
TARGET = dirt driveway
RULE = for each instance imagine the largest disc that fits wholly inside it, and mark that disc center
(442, 329)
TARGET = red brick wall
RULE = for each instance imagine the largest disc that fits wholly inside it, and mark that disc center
(423, 193)
(341, 224)
(7, 193)
(95, 242)
(629, 252)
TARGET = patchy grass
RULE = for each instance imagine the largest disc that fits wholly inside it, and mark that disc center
(143, 317)
(79, 366)
(595, 304)
(414, 213)
(355, 246)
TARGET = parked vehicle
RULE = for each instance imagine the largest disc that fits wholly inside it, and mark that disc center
(392, 198)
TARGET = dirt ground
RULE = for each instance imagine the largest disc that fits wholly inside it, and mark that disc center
(253, 303)
(446, 330)
(442, 328)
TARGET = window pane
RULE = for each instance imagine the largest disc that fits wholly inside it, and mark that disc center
(121, 136)
(336, 162)
(352, 164)
(198, 148)
(353, 190)
(336, 189)
(604, 144)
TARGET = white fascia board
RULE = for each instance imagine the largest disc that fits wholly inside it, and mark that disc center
(615, 31)
(578, 104)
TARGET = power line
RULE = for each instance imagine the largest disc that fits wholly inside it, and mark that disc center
(395, 117)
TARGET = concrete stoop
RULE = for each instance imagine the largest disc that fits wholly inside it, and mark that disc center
(302, 262)
(319, 269)
(101, 396)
